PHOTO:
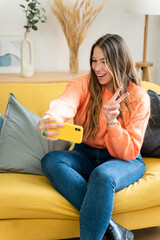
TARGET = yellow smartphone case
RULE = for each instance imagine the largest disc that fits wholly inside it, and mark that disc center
(69, 132)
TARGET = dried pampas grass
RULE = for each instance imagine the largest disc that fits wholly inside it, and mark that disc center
(75, 18)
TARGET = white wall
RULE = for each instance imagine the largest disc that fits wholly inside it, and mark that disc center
(50, 46)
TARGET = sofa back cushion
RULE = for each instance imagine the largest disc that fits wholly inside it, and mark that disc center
(34, 96)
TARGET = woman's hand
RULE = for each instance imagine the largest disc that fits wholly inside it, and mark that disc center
(111, 109)
(44, 125)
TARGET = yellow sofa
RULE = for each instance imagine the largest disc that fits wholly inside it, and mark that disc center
(31, 209)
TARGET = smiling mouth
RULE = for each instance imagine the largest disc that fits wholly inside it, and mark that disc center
(100, 76)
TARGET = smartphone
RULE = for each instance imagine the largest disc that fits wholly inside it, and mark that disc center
(69, 132)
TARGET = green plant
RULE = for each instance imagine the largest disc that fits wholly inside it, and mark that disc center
(34, 14)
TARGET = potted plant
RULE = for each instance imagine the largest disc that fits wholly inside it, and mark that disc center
(34, 14)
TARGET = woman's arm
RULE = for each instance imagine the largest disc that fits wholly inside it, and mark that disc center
(125, 143)
(65, 107)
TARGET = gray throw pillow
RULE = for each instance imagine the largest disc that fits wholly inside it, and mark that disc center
(21, 145)
(1, 122)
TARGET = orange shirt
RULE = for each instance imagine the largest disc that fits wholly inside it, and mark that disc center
(122, 142)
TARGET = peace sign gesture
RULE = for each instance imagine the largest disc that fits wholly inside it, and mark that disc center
(111, 109)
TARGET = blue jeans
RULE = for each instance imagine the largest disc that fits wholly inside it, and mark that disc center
(88, 178)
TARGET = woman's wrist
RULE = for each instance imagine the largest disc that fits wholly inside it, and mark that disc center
(112, 123)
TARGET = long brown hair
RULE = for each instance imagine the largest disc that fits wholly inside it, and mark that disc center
(119, 61)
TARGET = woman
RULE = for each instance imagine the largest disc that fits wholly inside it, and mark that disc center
(114, 111)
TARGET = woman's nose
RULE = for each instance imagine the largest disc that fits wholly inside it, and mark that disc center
(98, 66)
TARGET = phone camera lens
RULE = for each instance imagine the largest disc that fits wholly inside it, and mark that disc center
(77, 129)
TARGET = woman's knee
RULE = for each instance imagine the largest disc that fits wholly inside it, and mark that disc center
(50, 160)
(100, 175)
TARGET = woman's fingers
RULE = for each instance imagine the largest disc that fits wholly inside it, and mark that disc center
(51, 133)
(48, 120)
(45, 124)
(115, 112)
(122, 97)
(115, 95)
(51, 125)
(111, 112)
(110, 107)
(51, 129)
(51, 138)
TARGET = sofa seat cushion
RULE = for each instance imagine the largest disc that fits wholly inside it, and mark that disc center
(144, 193)
(32, 196)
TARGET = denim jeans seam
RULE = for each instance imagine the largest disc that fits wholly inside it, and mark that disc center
(80, 221)
(74, 172)
(80, 224)
(76, 175)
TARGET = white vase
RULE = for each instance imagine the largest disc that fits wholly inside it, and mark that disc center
(27, 61)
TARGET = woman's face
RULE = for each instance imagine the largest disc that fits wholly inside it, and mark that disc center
(99, 66)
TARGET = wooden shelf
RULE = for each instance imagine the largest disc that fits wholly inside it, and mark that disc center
(39, 77)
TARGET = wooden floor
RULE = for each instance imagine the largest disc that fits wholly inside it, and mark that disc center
(143, 234)
(147, 234)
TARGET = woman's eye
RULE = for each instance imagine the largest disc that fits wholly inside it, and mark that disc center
(94, 60)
